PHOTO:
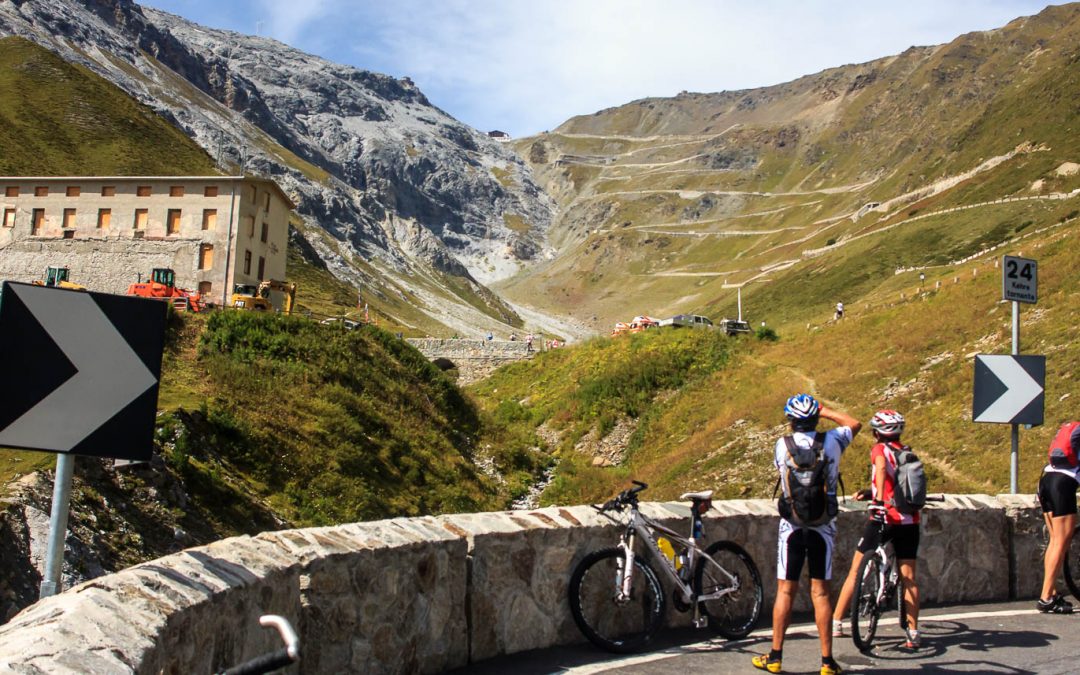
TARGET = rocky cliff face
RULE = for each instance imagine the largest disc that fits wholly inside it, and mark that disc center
(366, 156)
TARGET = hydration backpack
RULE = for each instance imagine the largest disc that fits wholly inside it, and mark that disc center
(1062, 453)
(909, 492)
(806, 499)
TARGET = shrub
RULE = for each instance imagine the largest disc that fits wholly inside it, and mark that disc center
(766, 333)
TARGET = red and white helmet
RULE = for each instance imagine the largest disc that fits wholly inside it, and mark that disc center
(887, 423)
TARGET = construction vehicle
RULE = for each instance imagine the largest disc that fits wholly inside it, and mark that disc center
(58, 277)
(250, 296)
(162, 286)
(640, 324)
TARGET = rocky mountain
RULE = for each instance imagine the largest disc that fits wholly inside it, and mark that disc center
(395, 195)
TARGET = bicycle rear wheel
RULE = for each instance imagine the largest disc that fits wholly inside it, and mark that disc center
(865, 610)
(617, 625)
(1071, 566)
(726, 565)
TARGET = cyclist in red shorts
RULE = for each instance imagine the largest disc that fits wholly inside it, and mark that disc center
(902, 529)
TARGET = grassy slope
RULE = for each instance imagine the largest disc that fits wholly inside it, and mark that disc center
(905, 344)
(60, 119)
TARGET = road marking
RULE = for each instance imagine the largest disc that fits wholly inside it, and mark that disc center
(801, 629)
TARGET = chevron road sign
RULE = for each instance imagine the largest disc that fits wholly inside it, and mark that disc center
(1009, 389)
(80, 371)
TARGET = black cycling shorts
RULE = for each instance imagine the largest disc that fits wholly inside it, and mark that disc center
(1057, 494)
(904, 538)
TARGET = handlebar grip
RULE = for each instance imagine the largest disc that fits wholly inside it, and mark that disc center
(263, 664)
(640, 486)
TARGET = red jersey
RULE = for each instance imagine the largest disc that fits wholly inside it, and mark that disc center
(892, 516)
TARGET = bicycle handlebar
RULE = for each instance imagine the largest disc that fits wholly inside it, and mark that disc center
(273, 661)
(628, 496)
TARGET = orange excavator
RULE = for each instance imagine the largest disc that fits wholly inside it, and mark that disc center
(162, 286)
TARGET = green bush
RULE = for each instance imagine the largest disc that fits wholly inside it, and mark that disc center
(766, 333)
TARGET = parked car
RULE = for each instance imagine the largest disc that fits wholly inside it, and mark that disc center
(347, 324)
(689, 320)
(734, 326)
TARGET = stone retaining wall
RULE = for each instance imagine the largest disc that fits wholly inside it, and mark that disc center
(429, 594)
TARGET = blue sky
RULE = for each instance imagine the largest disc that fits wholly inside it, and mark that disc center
(523, 66)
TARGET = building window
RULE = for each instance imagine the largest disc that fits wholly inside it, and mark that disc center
(206, 256)
(37, 221)
(11, 191)
(142, 191)
(249, 221)
(103, 218)
(108, 191)
(265, 232)
(251, 193)
(205, 288)
(73, 191)
(262, 268)
(266, 202)
(172, 222)
(9, 217)
(247, 262)
(69, 218)
(210, 191)
(41, 191)
(176, 190)
(209, 219)
(141, 216)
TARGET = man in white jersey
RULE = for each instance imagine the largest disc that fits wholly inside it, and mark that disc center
(1057, 496)
(800, 541)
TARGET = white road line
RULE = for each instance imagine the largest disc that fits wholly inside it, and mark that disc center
(806, 628)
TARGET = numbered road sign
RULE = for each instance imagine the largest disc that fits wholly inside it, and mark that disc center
(1019, 279)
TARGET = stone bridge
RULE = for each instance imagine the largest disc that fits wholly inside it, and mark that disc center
(472, 359)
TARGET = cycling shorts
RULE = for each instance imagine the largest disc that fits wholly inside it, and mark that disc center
(1057, 494)
(904, 538)
(796, 545)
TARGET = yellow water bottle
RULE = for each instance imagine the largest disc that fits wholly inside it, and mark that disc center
(669, 552)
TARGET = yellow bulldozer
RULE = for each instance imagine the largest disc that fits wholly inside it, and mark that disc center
(250, 296)
(59, 277)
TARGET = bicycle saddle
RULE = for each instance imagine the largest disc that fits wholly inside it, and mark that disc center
(697, 496)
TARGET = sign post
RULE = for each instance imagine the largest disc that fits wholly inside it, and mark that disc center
(80, 377)
(1019, 283)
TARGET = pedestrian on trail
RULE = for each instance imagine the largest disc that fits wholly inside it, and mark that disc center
(513, 337)
(1057, 497)
(490, 336)
(808, 463)
(886, 523)
(839, 311)
(528, 342)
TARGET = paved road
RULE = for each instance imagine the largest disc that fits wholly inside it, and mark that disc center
(989, 638)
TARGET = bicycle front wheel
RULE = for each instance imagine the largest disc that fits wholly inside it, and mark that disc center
(725, 566)
(865, 610)
(608, 620)
(1071, 565)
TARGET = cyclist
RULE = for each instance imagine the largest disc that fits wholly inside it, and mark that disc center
(1057, 496)
(804, 543)
(902, 529)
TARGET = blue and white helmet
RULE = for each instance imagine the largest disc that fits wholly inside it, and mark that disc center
(802, 407)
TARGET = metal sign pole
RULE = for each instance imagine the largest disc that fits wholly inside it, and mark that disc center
(54, 556)
(1014, 460)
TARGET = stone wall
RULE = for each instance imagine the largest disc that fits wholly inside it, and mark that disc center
(473, 359)
(428, 594)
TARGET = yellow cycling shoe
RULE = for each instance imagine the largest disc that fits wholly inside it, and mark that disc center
(831, 668)
(763, 662)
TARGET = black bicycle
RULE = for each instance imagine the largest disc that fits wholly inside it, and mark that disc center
(617, 599)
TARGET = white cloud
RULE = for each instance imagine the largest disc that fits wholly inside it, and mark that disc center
(287, 20)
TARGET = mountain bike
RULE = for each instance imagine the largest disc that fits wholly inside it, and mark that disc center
(267, 663)
(618, 601)
(1070, 567)
(877, 587)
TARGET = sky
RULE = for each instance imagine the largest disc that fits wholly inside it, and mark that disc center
(524, 66)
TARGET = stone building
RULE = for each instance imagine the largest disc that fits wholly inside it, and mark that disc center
(213, 231)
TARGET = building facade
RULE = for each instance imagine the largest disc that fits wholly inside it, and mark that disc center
(214, 231)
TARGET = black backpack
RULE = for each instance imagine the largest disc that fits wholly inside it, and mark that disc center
(804, 476)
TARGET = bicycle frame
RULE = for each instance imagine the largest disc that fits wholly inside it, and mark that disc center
(641, 526)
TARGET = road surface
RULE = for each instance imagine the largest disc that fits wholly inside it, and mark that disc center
(987, 638)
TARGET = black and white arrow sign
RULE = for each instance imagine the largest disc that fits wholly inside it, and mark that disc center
(1009, 389)
(80, 371)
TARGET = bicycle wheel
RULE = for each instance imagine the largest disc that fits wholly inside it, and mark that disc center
(616, 625)
(1071, 564)
(865, 611)
(724, 565)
